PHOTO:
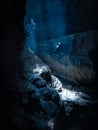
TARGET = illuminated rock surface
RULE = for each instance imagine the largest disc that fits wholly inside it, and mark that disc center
(44, 100)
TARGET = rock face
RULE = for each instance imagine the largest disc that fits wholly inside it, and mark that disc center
(11, 37)
(69, 57)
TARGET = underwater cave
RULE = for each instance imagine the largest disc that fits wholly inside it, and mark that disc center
(49, 64)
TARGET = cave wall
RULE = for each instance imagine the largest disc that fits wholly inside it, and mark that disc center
(81, 15)
(12, 11)
(11, 35)
(11, 43)
(58, 18)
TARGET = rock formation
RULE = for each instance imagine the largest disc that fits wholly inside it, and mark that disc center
(48, 90)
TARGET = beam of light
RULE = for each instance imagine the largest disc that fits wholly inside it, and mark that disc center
(49, 18)
(56, 25)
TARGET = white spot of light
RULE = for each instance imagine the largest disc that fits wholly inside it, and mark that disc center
(69, 95)
(39, 69)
